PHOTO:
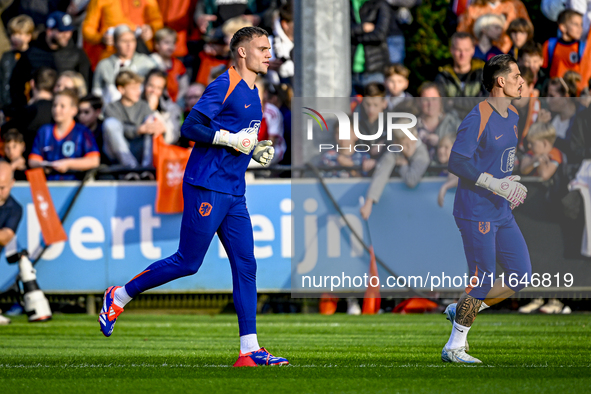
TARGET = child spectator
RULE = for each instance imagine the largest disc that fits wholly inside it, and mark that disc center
(444, 146)
(374, 103)
(396, 82)
(20, 30)
(14, 148)
(543, 158)
(71, 80)
(531, 55)
(412, 163)
(129, 124)
(443, 152)
(520, 31)
(89, 113)
(193, 95)
(510, 9)
(561, 102)
(344, 155)
(487, 29)
(564, 53)
(281, 67)
(30, 118)
(164, 108)
(64, 145)
(177, 81)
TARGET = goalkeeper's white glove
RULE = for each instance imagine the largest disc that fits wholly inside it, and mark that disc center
(242, 141)
(264, 152)
(508, 188)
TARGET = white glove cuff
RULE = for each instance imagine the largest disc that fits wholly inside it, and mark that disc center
(484, 180)
(222, 137)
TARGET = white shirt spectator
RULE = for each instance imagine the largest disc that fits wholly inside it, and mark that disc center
(274, 120)
(281, 47)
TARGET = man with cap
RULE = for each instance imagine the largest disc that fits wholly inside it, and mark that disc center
(54, 49)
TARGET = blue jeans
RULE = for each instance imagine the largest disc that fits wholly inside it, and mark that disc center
(396, 49)
(360, 80)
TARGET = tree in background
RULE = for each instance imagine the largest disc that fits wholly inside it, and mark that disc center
(434, 22)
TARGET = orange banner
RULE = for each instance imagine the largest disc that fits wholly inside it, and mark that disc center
(372, 300)
(51, 226)
(170, 162)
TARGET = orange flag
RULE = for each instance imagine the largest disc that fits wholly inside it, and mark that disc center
(170, 162)
(585, 65)
(372, 299)
(51, 226)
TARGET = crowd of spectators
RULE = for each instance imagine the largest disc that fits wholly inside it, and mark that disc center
(138, 67)
(85, 83)
(552, 109)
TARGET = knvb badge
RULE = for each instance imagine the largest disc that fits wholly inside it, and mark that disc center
(344, 123)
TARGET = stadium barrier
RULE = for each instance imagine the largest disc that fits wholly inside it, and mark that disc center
(114, 234)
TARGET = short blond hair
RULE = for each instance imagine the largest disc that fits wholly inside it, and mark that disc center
(542, 131)
(21, 24)
(78, 80)
(487, 20)
(396, 69)
(126, 77)
(231, 26)
(163, 33)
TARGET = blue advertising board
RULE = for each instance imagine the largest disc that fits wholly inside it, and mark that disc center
(114, 233)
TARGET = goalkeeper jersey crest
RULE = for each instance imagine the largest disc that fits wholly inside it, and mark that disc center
(489, 140)
(231, 105)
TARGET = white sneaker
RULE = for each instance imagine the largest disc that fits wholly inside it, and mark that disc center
(552, 306)
(4, 320)
(533, 306)
(450, 314)
(353, 307)
(566, 310)
(458, 355)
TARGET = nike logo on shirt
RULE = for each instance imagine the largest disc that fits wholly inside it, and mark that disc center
(246, 106)
(496, 138)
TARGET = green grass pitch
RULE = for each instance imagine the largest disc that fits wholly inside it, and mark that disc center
(342, 354)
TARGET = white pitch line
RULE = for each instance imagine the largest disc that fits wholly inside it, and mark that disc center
(82, 366)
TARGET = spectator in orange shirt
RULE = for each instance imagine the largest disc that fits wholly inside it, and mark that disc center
(142, 17)
(510, 9)
(217, 51)
(177, 15)
(177, 80)
(564, 53)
